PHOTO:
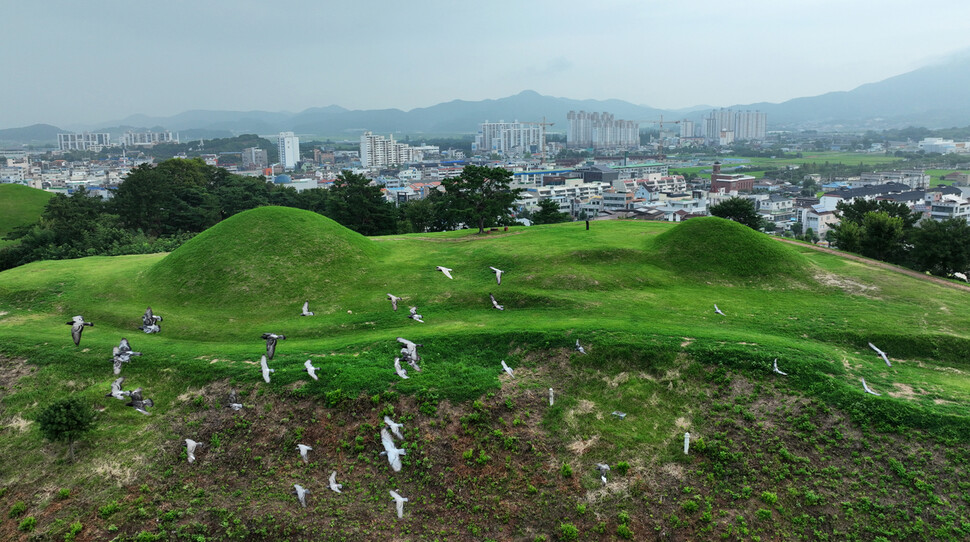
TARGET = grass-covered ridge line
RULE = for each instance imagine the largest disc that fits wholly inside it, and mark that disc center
(19, 206)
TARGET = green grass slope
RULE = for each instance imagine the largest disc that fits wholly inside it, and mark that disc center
(266, 256)
(805, 456)
(713, 247)
(19, 205)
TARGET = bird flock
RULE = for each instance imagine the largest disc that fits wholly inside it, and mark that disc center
(392, 450)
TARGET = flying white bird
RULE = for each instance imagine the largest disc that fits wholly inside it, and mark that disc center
(603, 468)
(116, 390)
(410, 349)
(303, 450)
(300, 493)
(234, 400)
(271, 339)
(881, 353)
(399, 501)
(866, 387)
(138, 403)
(415, 316)
(392, 452)
(77, 326)
(507, 369)
(579, 347)
(394, 299)
(775, 368)
(618, 414)
(311, 369)
(190, 446)
(122, 354)
(498, 274)
(333, 482)
(495, 303)
(266, 369)
(306, 309)
(718, 311)
(444, 270)
(401, 372)
(395, 427)
(552, 399)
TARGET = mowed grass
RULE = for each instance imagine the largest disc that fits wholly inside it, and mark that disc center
(19, 206)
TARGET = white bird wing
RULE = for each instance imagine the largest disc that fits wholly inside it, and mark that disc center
(398, 369)
(446, 271)
(498, 274)
(507, 369)
(406, 343)
(777, 370)
(333, 482)
(266, 369)
(394, 299)
(399, 501)
(395, 427)
(866, 387)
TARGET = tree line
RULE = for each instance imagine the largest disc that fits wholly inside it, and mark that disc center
(157, 208)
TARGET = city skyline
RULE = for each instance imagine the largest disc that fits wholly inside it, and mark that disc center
(101, 61)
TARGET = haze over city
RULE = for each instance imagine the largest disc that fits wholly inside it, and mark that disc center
(93, 62)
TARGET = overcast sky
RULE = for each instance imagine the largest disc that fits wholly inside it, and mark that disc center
(67, 62)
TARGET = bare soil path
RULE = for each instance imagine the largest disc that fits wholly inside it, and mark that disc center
(882, 265)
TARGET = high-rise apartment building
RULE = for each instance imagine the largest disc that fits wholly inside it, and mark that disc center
(745, 125)
(254, 158)
(288, 145)
(600, 131)
(376, 151)
(149, 138)
(509, 138)
(83, 141)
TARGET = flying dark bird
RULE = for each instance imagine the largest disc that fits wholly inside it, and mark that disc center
(445, 270)
(303, 450)
(234, 400)
(498, 274)
(77, 326)
(300, 493)
(866, 387)
(495, 303)
(154, 328)
(150, 321)
(394, 299)
(410, 349)
(122, 354)
(116, 390)
(415, 316)
(775, 368)
(266, 369)
(333, 482)
(138, 403)
(395, 427)
(311, 370)
(881, 353)
(306, 309)
(579, 347)
(271, 339)
(401, 372)
(190, 446)
(718, 311)
(392, 452)
(399, 502)
(507, 369)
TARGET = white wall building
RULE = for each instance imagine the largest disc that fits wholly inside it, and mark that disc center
(288, 145)
(378, 152)
(87, 141)
(509, 138)
(601, 131)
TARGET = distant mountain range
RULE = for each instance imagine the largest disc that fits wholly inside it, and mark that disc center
(932, 97)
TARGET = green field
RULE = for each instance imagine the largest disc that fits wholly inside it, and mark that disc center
(19, 205)
(809, 455)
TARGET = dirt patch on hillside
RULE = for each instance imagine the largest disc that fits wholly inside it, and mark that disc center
(11, 371)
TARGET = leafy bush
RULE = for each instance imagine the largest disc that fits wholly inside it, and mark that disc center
(566, 470)
(568, 531)
(763, 514)
(624, 531)
(769, 497)
(17, 509)
(622, 467)
(690, 506)
(28, 524)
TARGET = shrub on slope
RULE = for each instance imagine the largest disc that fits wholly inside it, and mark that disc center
(269, 256)
(715, 248)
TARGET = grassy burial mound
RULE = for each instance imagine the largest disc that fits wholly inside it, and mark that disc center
(267, 257)
(715, 248)
(19, 205)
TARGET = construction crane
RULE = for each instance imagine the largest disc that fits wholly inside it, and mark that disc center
(660, 144)
(542, 142)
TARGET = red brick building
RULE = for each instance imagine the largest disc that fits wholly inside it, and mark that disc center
(730, 182)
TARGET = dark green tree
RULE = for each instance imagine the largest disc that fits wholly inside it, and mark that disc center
(942, 248)
(166, 199)
(857, 209)
(740, 210)
(358, 205)
(481, 195)
(66, 421)
(548, 213)
(882, 236)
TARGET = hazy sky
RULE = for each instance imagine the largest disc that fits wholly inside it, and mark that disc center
(66, 62)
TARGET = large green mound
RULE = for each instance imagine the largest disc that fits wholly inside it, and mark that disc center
(269, 255)
(713, 247)
(19, 206)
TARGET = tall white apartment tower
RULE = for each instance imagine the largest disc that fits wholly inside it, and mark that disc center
(289, 148)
